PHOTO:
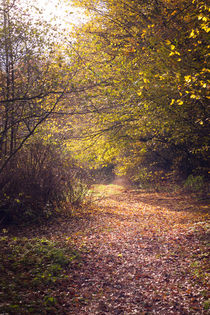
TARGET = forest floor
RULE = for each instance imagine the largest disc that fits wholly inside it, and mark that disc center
(138, 253)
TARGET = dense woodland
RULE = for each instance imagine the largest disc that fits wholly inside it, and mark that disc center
(120, 98)
(126, 91)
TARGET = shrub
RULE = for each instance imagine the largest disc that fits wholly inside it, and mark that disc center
(194, 183)
(38, 181)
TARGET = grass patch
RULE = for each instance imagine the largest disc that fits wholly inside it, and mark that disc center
(100, 191)
(29, 270)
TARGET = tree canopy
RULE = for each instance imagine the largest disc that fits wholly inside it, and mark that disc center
(152, 113)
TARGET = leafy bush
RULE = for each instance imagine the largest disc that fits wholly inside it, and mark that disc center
(194, 183)
(77, 190)
(38, 181)
(148, 179)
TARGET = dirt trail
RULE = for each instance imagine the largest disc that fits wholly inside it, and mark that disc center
(142, 254)
(139, 253)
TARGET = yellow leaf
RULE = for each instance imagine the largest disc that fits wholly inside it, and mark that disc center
(172, 101)
(172, 47)
(187, 78)
(195, 96)
(180, 102)
(119, 255)
(192, 34)
(143, 33)
(205, 27)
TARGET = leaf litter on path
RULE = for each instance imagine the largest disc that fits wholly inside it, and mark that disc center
(141, 254)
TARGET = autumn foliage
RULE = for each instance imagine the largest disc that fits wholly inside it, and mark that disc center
(152, 114)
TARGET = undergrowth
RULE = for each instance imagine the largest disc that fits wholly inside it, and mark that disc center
(30, 269)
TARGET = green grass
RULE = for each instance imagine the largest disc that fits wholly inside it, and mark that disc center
(29, 270)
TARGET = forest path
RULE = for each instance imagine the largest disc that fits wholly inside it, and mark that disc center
(144, 254)
(141, 253)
